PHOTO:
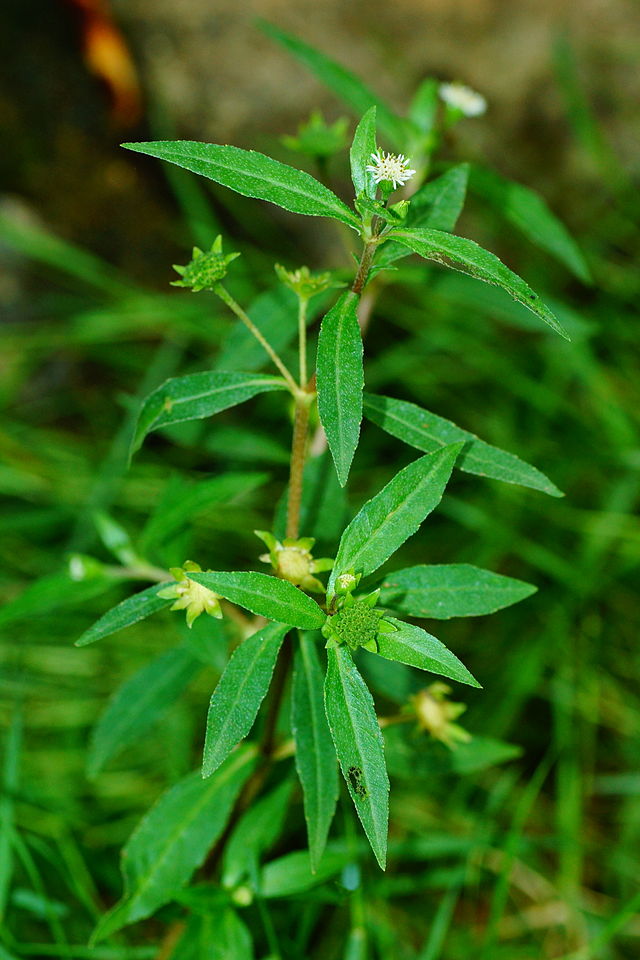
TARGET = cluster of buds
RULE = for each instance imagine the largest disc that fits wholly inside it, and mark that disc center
(204, 270)
(189, 595)
(356, 620)
(436, 714)
(292, 560)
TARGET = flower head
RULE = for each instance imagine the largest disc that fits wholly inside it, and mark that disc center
(191, 596)
(462, 98)
(204, 270)
(390, 168)
(304, 283)
(357, 622)
(435, 714)
(292, 560)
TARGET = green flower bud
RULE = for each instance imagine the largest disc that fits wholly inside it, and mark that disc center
(292, 560)
(191, 596)
(83, 567)
(304, 283)
(204, 270)
(435, 714)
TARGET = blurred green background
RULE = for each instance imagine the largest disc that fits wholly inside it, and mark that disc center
(533, 857)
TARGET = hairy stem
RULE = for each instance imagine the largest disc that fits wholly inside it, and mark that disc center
(226, 297)
(364, 266)
(302, 338)
(298, 452)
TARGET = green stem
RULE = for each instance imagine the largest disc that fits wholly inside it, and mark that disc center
(226, 297)
(298, 453)
(302, 338)
(364, 266)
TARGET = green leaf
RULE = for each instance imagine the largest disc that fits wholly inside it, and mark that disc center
(257, 830)
(437, 204)
(265, 596)
(425, 431)
(424, 105)
(182, 503)
(364, 144)
(342, 82)
(9, 784)
(341, 381)
(417, 648)
(130, 611)
(393, 515)
(198, 395)
(218, 935)
(290, 875)
(173, 839)
(241, 689)
(315, 755)
(414, 757)
(529, 213)
(52, 592)
(253, 175)
(441, 591)
(480, 753)
(138, 703)
(358, 741)
(468, 257)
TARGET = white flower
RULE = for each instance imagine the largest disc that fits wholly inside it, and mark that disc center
(462, 98)
(390, 167)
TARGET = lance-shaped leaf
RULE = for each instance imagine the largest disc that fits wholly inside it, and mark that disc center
(343, 83)
(257, 830)
(138, 703)
(393, 515)
(364, 144)
(290, 876)
(341, 381)
(315, 754)
(253, 175)
(414, 646)
(468, 257)
(441, 591)
(241, 689)
(358, 741)
(131, 610)
(529, 213)
(199, 395)
(423, 108)
(265, 596)
(173, 839)
(437, 204)
(426, 431)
